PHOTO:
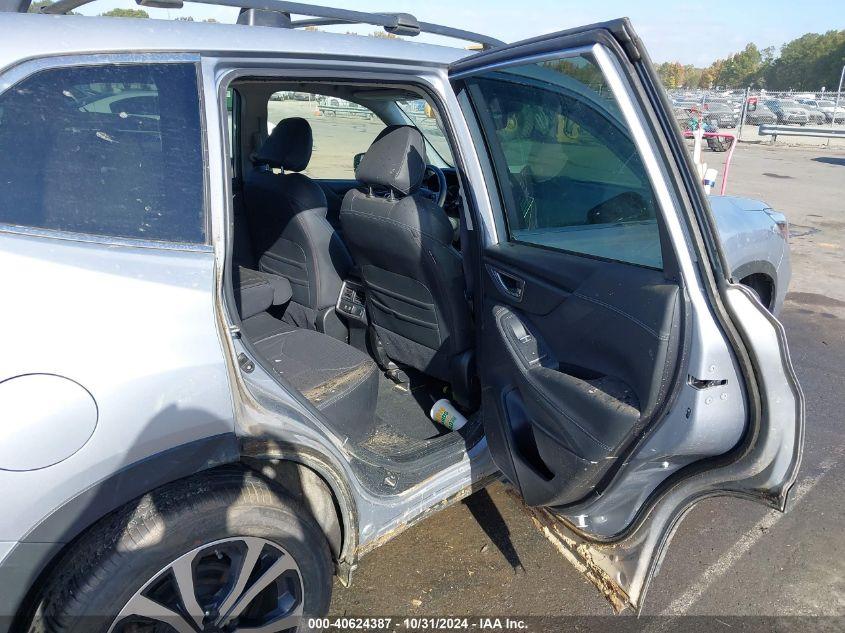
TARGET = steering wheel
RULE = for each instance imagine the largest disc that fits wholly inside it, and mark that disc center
(629, 206)
(438, 196)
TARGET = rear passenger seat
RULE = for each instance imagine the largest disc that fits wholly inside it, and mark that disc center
(339, 380)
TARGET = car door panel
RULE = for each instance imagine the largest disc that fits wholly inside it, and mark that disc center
(581, 364)
(615, 394)
(763, 467)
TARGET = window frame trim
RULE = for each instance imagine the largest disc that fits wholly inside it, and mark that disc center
(322, 178)
(13, 75)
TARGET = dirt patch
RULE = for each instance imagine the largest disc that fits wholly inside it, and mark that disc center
(322, 392)
(384, 439)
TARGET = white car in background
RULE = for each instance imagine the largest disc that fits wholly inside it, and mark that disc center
(827, 106)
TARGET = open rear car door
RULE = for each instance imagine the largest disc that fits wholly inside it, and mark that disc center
(624, 376)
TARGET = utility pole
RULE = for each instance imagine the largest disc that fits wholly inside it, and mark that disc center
(836, 103)
(743, 112)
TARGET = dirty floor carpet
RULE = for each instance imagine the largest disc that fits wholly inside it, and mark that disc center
(401, 424)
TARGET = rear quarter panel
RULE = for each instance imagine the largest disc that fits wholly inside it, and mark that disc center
(133, 326)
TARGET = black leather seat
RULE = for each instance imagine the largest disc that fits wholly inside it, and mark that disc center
(289, 232)
(402, 245)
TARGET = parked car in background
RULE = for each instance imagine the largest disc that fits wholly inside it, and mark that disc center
(735, 103)
(688, 118)
(332, 106)
(827, 107)
(708, 100)
(756, 242)
(124, 103)
(686, 104)
(722, 112)
(760, 115)
(814, 115)
(788, 112)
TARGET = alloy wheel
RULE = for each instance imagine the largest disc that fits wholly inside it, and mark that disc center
(235, 585)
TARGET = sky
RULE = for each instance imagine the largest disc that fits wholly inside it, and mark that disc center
(690, 32)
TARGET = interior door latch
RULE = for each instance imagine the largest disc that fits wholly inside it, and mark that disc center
(700, 383)
(246, 365)
(511, 285)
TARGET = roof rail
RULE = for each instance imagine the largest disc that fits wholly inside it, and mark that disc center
(395, 23)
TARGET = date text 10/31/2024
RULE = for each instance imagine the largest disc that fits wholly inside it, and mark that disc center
(417, 624)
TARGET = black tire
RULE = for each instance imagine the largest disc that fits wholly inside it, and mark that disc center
(116, 557)
(762, 287)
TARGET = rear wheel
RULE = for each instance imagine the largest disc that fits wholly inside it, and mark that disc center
(222, 553)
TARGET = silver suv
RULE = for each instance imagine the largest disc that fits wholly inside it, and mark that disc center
(232, 318)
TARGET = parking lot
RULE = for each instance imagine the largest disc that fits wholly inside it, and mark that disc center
(729, 557)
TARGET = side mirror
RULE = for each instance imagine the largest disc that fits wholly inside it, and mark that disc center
(356, 160)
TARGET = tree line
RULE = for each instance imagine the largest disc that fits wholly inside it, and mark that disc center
(806, 63)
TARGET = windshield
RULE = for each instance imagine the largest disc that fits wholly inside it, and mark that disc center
(825, 104)
(421, 115)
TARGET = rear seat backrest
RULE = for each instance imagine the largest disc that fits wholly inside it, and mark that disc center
(288, 226)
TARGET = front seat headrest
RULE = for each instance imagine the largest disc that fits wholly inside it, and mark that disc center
(396, 160)
(288, 147)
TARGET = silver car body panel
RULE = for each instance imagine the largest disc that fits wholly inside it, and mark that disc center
(132, 326)
(623, 569)
(752, 242)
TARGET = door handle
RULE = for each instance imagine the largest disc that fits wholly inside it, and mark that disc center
(507, 283)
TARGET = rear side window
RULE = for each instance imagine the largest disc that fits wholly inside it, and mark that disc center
(107, 150)
(571, 175)
(341, 130)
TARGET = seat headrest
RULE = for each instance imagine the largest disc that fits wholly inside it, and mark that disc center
(288, 147)
(396, 159)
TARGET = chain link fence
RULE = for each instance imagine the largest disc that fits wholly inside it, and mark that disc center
(742, 111)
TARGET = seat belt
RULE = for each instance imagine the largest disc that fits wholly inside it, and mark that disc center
(466, 256)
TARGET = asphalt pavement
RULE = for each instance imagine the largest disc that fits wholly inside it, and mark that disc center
(729, 557)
